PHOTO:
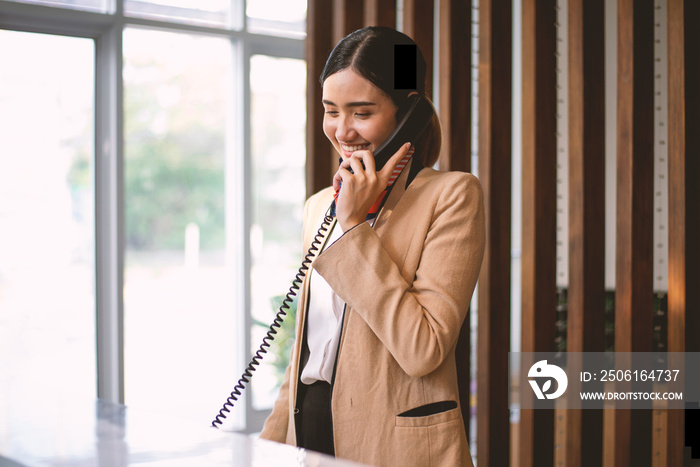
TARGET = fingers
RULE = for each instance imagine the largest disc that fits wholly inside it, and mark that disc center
(337, 180)
(361, 184)
(388, 169)
(362, 164)
(358, 163)
(351, 167)
(366, 157)
(369, 163)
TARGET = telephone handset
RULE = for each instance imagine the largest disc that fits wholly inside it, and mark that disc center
(412, 122)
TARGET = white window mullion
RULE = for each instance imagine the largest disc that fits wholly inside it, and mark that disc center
(109, 215)
(245, 163)
(237, 229)
(238, 20)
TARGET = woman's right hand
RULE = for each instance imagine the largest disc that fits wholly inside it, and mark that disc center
(361, 187)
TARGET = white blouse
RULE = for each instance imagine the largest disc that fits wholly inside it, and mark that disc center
(323, 321)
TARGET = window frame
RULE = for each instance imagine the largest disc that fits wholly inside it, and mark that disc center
(106, 30)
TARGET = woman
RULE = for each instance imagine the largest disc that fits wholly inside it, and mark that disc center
(372, 377)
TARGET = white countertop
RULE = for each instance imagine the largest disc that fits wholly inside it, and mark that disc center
(99, 433)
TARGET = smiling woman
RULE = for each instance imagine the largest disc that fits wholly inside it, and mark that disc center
(363, 122)
(372, 376)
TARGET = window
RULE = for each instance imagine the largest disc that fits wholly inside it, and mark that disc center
(178, 301)
(277, 16)
(158, 216)
(87, 5)
(209, 12)
(278, 89)
(47, 313)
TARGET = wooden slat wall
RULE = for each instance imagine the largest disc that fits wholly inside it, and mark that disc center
(536, 431)
(380, 13)
(677, 240)
(455, 84)
(319, 43)
(493, 422)
(329, 21)
(348, 16)
(455, 115)
(635, 165)
(586, 291)
(418, 23)
(683, 18)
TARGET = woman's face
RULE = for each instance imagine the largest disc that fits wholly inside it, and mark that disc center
(358, 115)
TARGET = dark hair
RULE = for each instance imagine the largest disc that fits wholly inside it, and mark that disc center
(370, 53)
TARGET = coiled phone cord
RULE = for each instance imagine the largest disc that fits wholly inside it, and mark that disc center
(277, 322)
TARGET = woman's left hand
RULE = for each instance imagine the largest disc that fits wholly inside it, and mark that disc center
(362, 186)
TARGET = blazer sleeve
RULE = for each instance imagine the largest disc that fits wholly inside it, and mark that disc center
(417, 322)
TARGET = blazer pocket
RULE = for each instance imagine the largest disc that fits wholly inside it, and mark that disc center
(429, 414)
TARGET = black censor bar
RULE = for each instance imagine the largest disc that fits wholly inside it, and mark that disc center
(405, 66)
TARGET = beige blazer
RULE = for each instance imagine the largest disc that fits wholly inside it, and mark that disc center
(407, 284)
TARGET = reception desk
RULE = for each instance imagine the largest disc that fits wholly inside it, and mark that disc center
(99, 433)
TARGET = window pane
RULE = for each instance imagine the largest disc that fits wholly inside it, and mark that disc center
(278, 116)
(281, 17)
(47, 302)
(206, 12)
(179, 315)
(99, 6)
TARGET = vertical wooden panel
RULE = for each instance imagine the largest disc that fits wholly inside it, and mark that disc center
(318, 46)
(495, 50)
(692, 199)
(539, 213)
(684, 196)
(454, 28)
(380, 13)
(418, 17)
(586, 292)
(454, 22)
(348, 16)
(634, 285)
(677, 212)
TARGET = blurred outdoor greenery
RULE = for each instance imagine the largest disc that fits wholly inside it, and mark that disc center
(174, 151)
(174, 157)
